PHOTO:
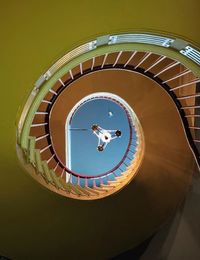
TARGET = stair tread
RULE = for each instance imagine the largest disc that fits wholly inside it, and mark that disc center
(31, 149)
(55, 179)
(46, 172)
(99, 189)
(38, 162)
(116, 181)
(92, 190)
(79, 190)
(107, 186)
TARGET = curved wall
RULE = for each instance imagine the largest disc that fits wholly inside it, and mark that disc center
(34, 34)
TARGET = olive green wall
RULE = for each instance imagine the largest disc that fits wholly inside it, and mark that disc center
(36, 33)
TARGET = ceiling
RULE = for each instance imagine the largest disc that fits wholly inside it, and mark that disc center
(36, 223)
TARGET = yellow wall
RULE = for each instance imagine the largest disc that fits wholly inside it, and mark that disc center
(33, 35)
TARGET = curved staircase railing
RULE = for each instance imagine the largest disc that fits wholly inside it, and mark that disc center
(174, 77)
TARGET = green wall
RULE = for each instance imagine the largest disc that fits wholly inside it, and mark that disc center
(36, 33)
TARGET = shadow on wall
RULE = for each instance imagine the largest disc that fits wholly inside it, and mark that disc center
(134, 254)
(180, 238)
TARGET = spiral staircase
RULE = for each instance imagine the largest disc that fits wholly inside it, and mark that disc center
(41, 154)
(35, 138)
(125, 42)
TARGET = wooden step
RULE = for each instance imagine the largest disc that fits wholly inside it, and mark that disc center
(117, 182)
(31, 150)
(55, 179)
(38, 162)
(99, 189)
(130, 167)
(122, 177)
(75, 189)
(64, 184)
(71, 188)
(91, 190)
(108, 187)
(46, 172)
(83, 190)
